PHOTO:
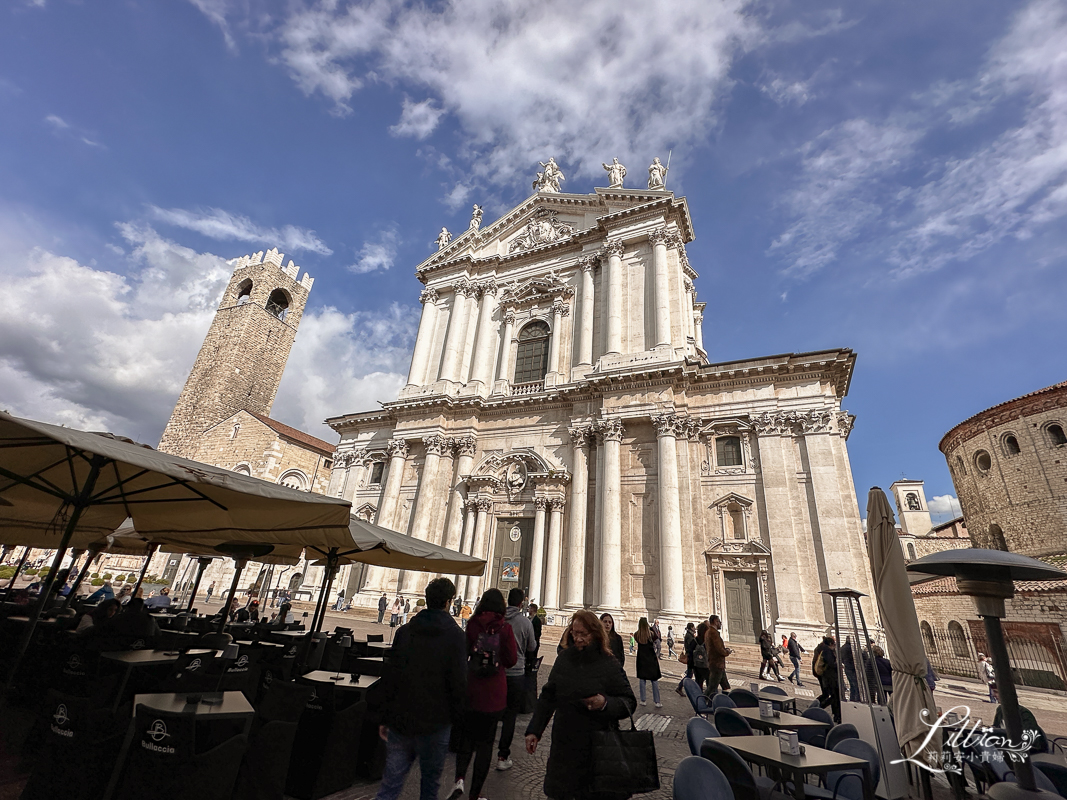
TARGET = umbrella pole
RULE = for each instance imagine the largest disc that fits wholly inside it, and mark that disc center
(201, 568)
(1009, 699)
(93, 553)
(80, 503)
(325, 597)
(144, 569)
(238, 568)
(18, 568)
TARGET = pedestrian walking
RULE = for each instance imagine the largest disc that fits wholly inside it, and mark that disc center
(586, 692)
(425, 687)
(670, 641)
(340, 604)
(717, 652)
(210, 590)
(795, 648)
(491, 651)
(537, 622)
(687, 648)
(383, 603)
(526, 642)
(988, 676)
(614, 640)
(632, 644)
(394, 612)
(699, 659)
(824, 668)
(647, 661)
(407, 610)
(769, 663)
(657, 639)
(465, 614)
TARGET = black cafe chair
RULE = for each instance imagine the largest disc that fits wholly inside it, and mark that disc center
(698, 779)
(744, 698)
(746, 786)
(163, 761)
(266, 762)
(730, 723)
(375, 637)
(328, 734)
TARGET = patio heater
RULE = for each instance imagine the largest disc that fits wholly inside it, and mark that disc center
(989, 576)
(863, 702)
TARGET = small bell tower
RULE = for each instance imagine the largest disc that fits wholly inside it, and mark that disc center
(912, 511)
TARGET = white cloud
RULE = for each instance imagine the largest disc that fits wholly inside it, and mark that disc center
(225, 226)
(377, 255)
(216, 11)
(946, 504)
(56, 121)
(98, 349)
(579, 81)
(785, 92)
(61, 125)
(417, 119)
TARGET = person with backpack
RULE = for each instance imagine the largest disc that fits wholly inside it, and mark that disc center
(491, 650)
(824, 668)
(699, 656)
(687, 651)
(647, 661)
(424, 691)
(526, 642)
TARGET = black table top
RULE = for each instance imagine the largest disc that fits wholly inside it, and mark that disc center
(150, 657)
(767, 750)
(782, 720)
(346, 682)
(234, 704)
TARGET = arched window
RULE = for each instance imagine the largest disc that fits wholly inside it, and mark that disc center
(294, 479)
(531, 362)
(1011, 445)
(242, 469)
(958, 639)
(983, 461)
(244, 291)
(1056, 434)
(961, 469)
(911, 552)
(278, 304)
(928, 637)
(996, 538)
(728, 451)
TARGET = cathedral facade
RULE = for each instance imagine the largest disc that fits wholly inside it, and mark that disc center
(562, 420)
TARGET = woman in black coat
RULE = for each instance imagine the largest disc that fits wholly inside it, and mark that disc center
(647, 661)
(768, 654)
(614, 640)
(587, 691)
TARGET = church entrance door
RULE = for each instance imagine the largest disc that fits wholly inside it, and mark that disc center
(510, 567)
(742, 606)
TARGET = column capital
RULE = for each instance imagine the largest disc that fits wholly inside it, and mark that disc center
(589, 263)
(613, 247)
(674, 241)
(560, 307)
(845, 421)
(609, 430)
(541, 503)
(557, 504)
(660, 236)
(484, 505)
(488, 287)
(428, 296)
(437, 445)
(689, 287)
(397, 447)
(464, 445)
(509, 317)
(670, 425)
(471, 506)
(580, 434)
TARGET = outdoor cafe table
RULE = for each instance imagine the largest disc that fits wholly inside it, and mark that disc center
(782, 720)
(132, 659)
(360, 684)
(784, 699)
(370, 665)
(766, 752)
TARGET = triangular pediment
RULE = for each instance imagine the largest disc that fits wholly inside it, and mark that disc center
(750, 548)
(536, 289)
(732, 497)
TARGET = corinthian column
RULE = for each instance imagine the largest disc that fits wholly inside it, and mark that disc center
(574, 583)
(482, 371)
(427, 324)
(425, 502)
(610, 509)
(398, 453)
(613, 292)
(672, 594)
(504, 373)
(585, 335)
(550, 598)
(661, 299)
(466, 357)
(465, 545)
(559, 311)
(454, 526)
(537, 563)
(457, 333)
(474, 582)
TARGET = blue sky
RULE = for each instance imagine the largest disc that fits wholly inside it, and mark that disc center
(890, 177)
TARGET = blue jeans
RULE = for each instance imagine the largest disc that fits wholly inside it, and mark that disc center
(400, 754)
(655, 690)
(796, 669)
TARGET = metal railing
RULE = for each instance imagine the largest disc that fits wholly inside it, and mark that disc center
(1039, 661)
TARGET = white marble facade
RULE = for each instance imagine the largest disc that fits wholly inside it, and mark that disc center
(623, 471)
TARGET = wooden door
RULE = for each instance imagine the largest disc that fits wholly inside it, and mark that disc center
(510, 567)
(742, 606)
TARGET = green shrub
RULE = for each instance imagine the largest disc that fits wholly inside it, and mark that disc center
(96, 582)
(107, 576)
(94, 575)
(31, 571)
(420, 602)
(131, 578)
(119, 578)
(6, 573)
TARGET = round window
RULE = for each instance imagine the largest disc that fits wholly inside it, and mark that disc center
(983, 461)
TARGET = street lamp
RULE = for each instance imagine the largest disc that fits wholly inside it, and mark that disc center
(988, 576)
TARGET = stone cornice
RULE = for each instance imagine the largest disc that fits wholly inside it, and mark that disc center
(1048, 399)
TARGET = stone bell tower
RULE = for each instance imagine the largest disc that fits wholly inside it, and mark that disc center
(243, 356)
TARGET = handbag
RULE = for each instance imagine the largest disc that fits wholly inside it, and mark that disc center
(624, 762)
(683, 658)
(529, 697)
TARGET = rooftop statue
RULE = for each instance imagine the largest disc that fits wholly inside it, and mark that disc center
(616, 172)
(476, 218)
(657, 175)
(550, 179)
(443, 239)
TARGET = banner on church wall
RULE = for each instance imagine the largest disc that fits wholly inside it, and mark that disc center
(509, 570)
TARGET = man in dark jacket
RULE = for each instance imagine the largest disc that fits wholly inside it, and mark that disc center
(383, 603)
(526, 642)
(795, 649)
(424, 692)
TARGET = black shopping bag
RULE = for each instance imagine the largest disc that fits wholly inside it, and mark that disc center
(624, 762)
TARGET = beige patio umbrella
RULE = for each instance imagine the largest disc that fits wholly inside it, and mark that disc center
(913, 702)
(61, 487)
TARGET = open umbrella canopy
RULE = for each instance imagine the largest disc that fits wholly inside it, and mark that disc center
(47, 471)
(128, 541)
(911, 695)
(372, 544)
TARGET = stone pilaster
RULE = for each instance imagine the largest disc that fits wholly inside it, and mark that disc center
(560, 309)
(661, 296)
(388, 502)
(457, 333)
(537, 555)
(474, 305)
(420, 359)
(610, 510)
(504, 373)
(550, 597)
(466, 544)
(672, 591)
(574, 580)
(464, 446)
(613, 295)
(480, 546)
(482, 370)
(436, 446)
(585, 334)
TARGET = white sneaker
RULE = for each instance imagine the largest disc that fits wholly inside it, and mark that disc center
(642, 702)
(504, 763)
(457, 790)
(659, 705)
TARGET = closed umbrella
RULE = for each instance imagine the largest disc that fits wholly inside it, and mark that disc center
(61, 487)
(914, 710)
